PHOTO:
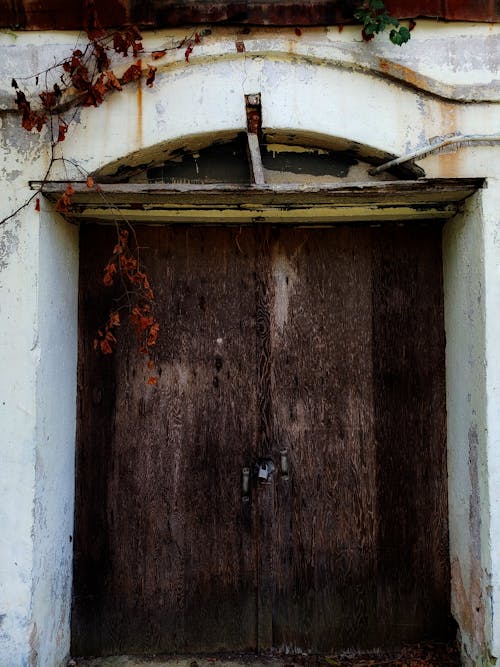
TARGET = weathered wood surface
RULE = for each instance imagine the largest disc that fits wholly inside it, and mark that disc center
(292, 204)
(174, 563)
(116, 194)
(326, 522)
(327, 342)
(59, 15)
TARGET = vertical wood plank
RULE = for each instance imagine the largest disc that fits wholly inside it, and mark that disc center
(325, 522)
(410, 429)
(175, 555)
(264, 492)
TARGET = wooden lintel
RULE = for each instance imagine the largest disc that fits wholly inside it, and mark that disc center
(419, 190)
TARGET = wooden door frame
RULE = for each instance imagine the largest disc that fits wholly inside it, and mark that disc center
(459, 201)
(320, 204)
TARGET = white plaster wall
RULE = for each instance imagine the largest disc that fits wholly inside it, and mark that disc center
(464, 284)
(19, 355)
(323, 84)
(55, 438)
(38, 296)
(491, 222)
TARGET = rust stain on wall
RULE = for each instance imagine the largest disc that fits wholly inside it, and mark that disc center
(467, 577)
(450, 163)
(406, 74)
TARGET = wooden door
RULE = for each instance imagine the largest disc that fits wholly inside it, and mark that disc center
(325, 343)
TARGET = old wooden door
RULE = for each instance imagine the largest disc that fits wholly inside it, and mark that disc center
(326, 343)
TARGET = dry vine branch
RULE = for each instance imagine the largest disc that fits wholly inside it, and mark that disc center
(85, 79)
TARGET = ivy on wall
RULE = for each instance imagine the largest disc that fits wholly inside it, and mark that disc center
(375, 18)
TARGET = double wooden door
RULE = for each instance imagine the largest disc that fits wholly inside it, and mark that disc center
(326, 343)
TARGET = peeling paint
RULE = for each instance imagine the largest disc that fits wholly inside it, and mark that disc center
(9, 244)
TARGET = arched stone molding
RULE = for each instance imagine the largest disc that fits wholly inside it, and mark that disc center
(318, 100)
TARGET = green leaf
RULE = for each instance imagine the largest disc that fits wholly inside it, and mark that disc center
(395, 37)
(377, 4)
(405, 34)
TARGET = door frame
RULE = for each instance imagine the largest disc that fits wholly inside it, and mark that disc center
(440, 199)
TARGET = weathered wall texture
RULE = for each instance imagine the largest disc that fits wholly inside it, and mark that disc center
(322, 86)
(38, 283)
(464, 283)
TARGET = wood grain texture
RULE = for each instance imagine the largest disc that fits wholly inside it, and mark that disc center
(410, 430)
(176, 549)
(326, 342)
(325, 532)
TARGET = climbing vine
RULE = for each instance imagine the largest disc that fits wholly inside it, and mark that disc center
(85, 78)
(375, 18)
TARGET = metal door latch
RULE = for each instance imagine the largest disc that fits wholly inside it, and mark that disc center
(245, 484)
(265, 469)
(284, 468)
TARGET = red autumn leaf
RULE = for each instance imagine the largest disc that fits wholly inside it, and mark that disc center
(112, 81)
(120, 44)
(127, 39)
(49, 99)
(153, 334)
(109, 272)
(341, 27)
(99, 86)
(114, 319)
(89, 182)
(298, 32)
(412, 24)
(197, 38)
(106, 347)
(109, 336)
(366, 37)
(150, 75)
(65, 200)
(188, 52)
(37, 204)
(30, 119)
(101, 57)
(156, 55)
(61, 134)
(80, 77)
(152, 380)
(133, 73)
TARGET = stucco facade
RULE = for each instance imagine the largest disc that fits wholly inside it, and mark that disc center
(323, 86)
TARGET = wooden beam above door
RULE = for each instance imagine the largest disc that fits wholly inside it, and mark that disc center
(158, 203)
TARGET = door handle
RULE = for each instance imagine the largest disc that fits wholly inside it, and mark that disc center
(284, 468)
(245, 484)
